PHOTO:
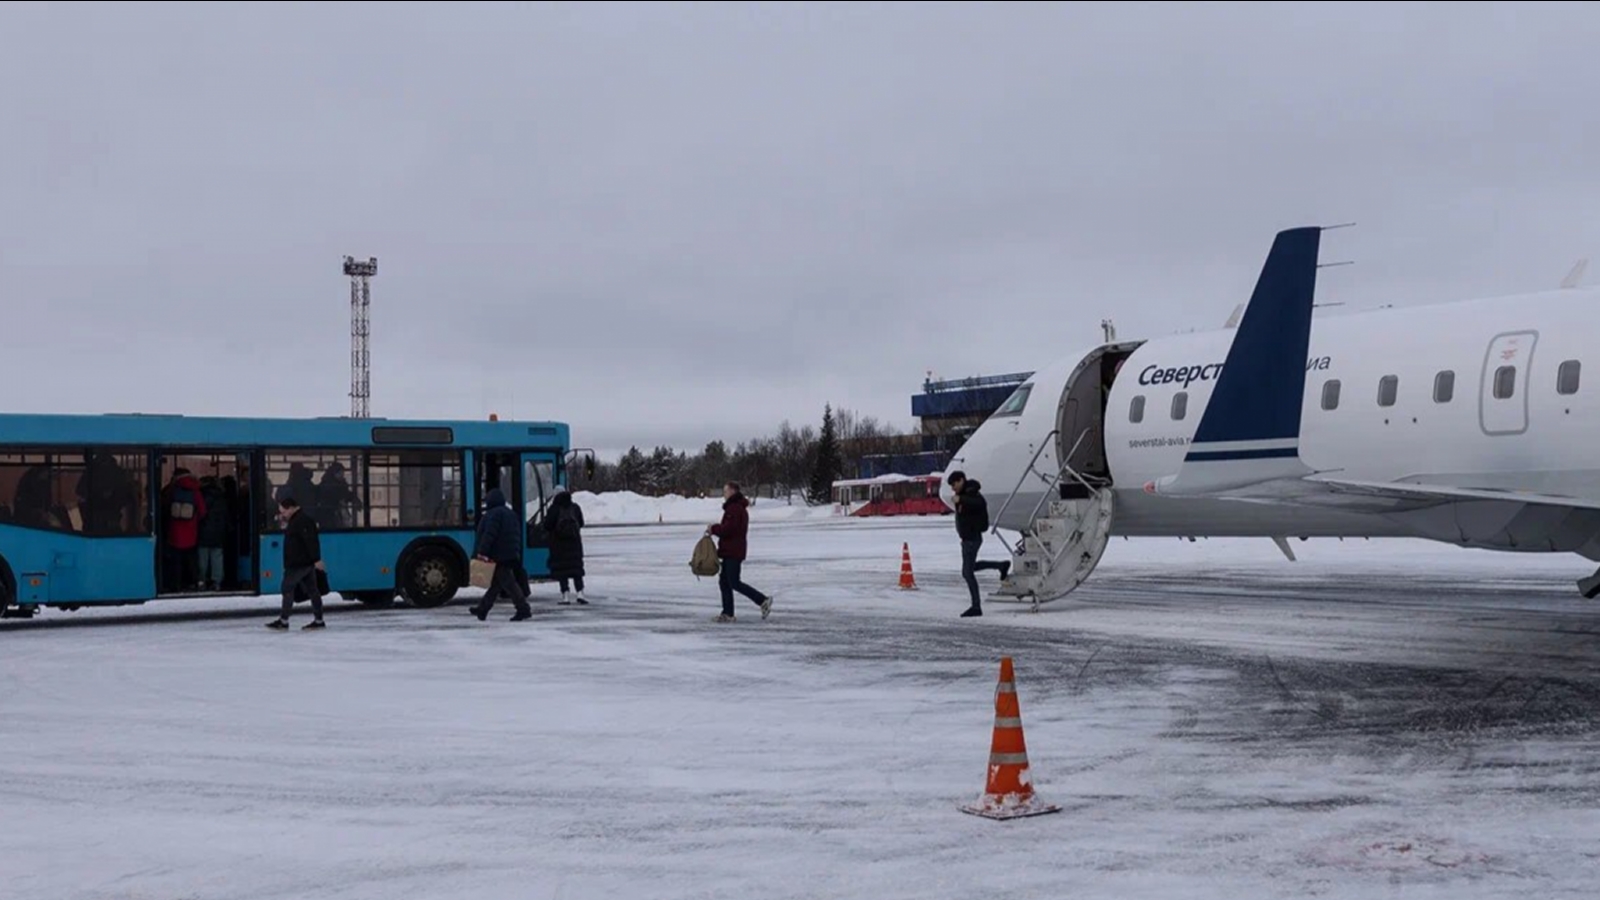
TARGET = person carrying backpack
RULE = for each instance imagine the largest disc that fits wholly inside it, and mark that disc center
(732, 535)
(500, 542)
(182, 508)
(563, 522)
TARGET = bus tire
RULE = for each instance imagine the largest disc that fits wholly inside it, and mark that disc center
(430, 576)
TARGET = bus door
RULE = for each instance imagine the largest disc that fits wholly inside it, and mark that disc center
(538, 485)
(200, 552)
(496, 470)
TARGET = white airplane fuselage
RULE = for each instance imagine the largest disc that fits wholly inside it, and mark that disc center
(1520, 414)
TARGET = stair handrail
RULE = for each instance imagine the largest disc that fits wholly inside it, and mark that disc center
(994, 529)
(1066, 469)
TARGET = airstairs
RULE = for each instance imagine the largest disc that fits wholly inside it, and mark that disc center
(1067, 534)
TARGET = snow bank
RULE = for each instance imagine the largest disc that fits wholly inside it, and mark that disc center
(628, 508)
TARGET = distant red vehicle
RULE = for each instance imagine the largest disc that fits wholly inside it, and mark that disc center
(889, 495)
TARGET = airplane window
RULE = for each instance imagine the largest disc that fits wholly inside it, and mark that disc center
(1136, 410)
(1567, 377)
(1444, 387)
(1330, 394)
(1505, 382)
(1180, 405)
(1388, 387)
(1014, 404)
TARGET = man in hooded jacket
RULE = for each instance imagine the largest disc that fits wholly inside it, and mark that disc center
(500, 542)
(733, 535)
(972, 520)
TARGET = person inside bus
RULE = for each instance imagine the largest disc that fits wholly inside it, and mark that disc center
(182, 509)
(30, 507)
(298, 487)
(109, 497)
(214, 532)
(238, 500)
(337, 503)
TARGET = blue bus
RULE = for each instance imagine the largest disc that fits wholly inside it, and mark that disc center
(102, 509)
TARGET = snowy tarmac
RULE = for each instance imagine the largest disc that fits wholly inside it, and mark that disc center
(1375, 720)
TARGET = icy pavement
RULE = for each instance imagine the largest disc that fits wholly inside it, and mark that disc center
(1376, 720)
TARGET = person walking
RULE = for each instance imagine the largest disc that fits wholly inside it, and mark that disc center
(732, 535)
(500, 542)
(302, 561)
(564, 524)
(972, 520)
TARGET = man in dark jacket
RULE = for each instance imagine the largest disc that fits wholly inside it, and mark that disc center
(302, 561)
(500, 542)
(732, 535)
(972, 520)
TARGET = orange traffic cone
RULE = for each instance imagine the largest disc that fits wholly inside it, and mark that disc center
(1009, 792)
(908, 582)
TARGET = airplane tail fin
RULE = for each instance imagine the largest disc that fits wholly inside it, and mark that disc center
(1250, 431)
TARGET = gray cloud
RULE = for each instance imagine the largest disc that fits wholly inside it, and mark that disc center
(668, 223)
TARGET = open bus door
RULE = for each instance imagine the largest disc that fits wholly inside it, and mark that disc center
(539, 472)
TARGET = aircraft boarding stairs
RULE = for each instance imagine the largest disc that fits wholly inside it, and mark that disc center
(1062, 546)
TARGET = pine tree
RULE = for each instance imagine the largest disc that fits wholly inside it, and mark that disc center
(828, 465)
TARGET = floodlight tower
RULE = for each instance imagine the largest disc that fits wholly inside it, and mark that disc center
(361, 274)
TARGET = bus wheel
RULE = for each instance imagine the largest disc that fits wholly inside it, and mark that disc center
(431, 578)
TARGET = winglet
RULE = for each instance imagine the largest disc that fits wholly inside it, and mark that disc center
(1250, 431)
(1575, 276)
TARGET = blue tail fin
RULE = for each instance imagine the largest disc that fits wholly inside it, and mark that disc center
(1250, 431)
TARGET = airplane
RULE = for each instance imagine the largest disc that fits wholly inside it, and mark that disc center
(1464, 422)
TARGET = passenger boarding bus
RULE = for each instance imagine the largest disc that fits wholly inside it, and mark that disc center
(87, 504)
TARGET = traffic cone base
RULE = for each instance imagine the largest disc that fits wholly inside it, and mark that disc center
(1009, 791)
(908, 582)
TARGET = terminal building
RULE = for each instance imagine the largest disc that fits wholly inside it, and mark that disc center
(947, 412)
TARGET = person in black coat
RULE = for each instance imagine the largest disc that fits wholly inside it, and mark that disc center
(563, 522)
(972, 520)
(500, 542)
(302, 563)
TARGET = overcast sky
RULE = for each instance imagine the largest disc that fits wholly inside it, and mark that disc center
(668, 223)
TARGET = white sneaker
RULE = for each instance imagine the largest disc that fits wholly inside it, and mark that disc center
(566, 599)
(581, 601)
(766, 607)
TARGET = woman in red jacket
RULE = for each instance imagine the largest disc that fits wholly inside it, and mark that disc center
(732, 535)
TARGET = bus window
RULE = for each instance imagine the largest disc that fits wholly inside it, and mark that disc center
(496, 470)
(54, 489)
(328, 484)
(415, 489)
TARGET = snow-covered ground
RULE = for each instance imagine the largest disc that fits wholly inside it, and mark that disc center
(1375, 720)
(628, 508)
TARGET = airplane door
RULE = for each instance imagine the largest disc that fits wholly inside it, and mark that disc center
(1503, 393)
